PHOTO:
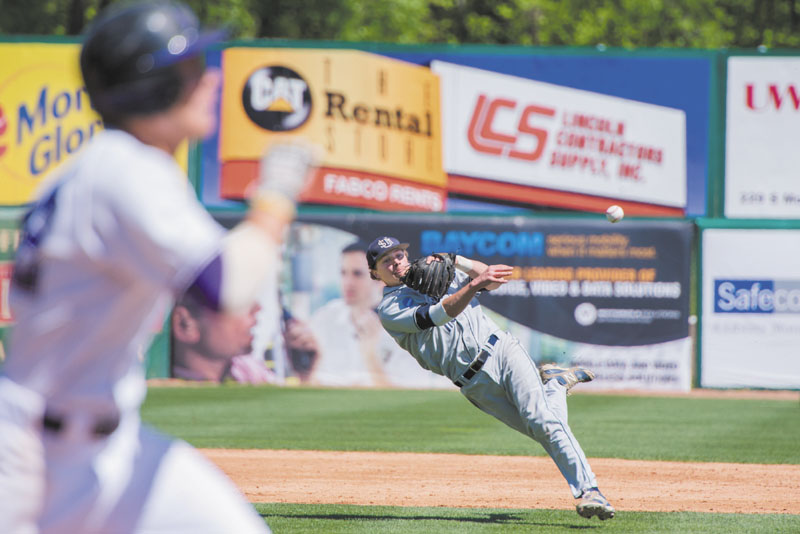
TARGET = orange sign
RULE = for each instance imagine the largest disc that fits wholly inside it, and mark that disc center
(377, 118)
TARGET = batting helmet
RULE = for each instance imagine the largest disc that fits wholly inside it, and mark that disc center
(140, 58)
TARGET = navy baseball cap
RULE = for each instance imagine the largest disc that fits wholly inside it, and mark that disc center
(382, 246)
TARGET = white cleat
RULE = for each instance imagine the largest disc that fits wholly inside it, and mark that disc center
(592, 503)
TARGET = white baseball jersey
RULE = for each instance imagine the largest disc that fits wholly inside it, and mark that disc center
(117, 233)
(113, 237)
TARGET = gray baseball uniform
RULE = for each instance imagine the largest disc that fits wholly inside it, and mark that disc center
(506, 386)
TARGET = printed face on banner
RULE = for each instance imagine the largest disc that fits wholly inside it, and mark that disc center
(376, 118)
(520, 131)
(762, 128)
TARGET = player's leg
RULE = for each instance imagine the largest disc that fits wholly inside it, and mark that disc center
(544, 410)
(138, 481)
(487, 393)
(189, 494)
(21, 459)
(519, 399)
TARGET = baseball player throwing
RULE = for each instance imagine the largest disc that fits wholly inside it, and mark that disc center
(454, 338)
(103, 250)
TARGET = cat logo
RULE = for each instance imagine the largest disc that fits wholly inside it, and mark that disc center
(277, 99)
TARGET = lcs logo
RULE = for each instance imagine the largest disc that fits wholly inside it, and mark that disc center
(3, 127)
(526, 143)
(277, 99)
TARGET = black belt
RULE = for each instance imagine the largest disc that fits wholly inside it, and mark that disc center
(477, 363)
(102, 427)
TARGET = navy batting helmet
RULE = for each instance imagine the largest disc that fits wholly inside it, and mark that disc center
(140, 58)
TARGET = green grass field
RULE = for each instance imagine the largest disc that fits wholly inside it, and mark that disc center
(339, 519)
(648, 428)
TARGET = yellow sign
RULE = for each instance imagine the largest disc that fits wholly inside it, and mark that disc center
(45, 115)
(371, 113)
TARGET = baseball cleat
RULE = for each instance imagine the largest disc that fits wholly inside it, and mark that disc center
(566, 377)
(592, 503)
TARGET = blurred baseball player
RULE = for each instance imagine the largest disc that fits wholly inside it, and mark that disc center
(454, 338)
(103, 251)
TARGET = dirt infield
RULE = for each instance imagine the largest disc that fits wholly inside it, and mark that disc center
(452, 480)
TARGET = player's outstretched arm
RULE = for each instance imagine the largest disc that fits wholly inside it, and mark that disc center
(250, 253)
(490, 277)
(472, 267)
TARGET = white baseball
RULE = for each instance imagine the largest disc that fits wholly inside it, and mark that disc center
(614, 213)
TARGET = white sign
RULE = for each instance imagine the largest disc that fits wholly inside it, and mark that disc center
(661, 367)
(750, 325)
(762, 162)
(532, 133)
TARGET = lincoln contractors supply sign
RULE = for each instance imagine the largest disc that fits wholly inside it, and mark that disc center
(531, 133)
(750, 325)
(613, 298)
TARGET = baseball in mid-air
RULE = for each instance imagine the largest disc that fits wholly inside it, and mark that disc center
(614, 213)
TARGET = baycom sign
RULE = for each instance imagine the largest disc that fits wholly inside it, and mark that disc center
(525, 132)
(757, 296)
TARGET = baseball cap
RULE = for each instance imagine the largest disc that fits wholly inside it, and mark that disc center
(382, 246)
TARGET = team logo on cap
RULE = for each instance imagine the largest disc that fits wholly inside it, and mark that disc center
(385, 242)
(277, 99)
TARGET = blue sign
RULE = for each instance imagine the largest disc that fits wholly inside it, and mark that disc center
(578, 279)
(756, 296)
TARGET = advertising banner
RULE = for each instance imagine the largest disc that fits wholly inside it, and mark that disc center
(531, 133)
(761, 132)
(9, 241)
(677, 79)
(45, 115)
(750, 323)
(377, 119)
(613, 299)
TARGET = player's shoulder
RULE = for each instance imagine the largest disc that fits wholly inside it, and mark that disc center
(400, 298)
(119, 164)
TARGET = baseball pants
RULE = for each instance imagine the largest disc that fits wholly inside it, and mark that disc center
(135, 481)
(509, 388)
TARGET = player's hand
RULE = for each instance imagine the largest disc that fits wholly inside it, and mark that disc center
(493, 277)
(286, 167)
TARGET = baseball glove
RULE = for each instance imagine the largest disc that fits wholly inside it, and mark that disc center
(432, 278)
